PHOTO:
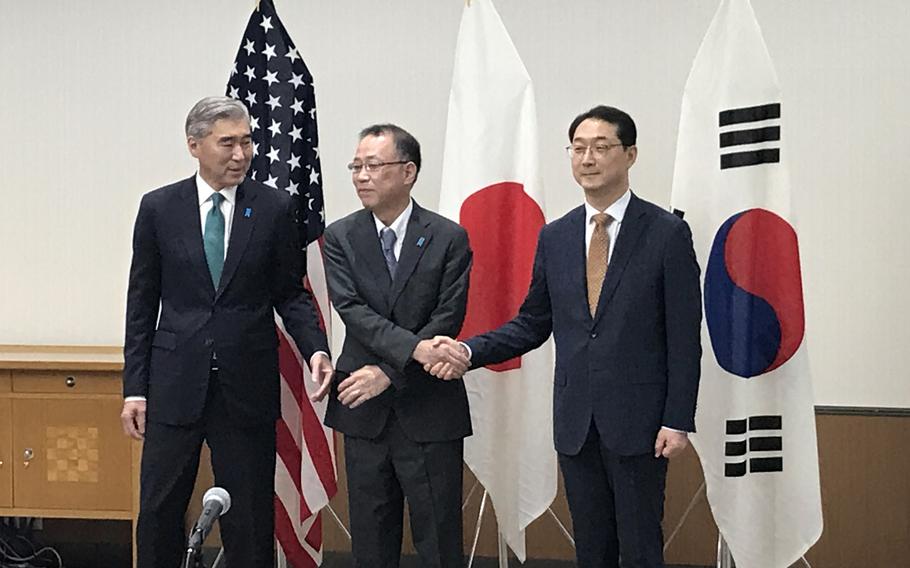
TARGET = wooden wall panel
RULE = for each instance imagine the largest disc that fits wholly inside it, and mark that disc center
(865, 481)
(865, 476)
(695, 541)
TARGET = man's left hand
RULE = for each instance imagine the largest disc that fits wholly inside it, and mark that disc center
(670, 443)
(322, 371)
(362, 385)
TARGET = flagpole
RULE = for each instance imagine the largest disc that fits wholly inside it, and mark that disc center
(724, 558)
(503, 551)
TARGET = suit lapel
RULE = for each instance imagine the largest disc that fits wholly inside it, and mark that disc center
(633, 225)
(575, 257)
(365, 242)
(417, 237)
(241, 229)
(191, 228)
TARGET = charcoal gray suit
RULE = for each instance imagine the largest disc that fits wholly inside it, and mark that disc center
(406, 442)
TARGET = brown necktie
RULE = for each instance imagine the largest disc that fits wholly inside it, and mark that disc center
(597, 259)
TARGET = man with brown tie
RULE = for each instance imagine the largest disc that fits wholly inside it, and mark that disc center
(617, 283)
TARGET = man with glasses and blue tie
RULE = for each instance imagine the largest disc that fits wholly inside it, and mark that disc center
(398, 276)
(617, 283)
(214, 256)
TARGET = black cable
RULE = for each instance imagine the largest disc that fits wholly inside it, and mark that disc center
(24, 559)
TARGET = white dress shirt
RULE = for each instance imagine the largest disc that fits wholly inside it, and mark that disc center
(399, 226)
(617, 211)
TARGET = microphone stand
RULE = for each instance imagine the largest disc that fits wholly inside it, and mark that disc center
(193, 557)
(215, 503)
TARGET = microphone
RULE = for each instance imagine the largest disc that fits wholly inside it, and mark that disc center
(215, 503)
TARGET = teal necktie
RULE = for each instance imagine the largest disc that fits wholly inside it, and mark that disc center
(214, 239)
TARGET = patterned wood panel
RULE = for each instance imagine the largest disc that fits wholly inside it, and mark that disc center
(80, 457)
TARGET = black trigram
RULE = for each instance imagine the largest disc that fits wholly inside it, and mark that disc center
(747, 132)
(760, 437)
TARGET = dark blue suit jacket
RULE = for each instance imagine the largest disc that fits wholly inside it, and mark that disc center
(634, 366)
(176, 319)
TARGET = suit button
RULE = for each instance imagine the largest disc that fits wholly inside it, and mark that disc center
(594, 335)
(209, 342)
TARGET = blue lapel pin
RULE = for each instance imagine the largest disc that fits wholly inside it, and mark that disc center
(420, 242)
(247, 212)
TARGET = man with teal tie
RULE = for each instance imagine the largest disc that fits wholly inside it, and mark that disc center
(214, 256)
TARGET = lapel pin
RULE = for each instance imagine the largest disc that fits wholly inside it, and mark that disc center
(420, 241)
(248, 212)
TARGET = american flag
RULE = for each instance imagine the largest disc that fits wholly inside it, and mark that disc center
(271, 78)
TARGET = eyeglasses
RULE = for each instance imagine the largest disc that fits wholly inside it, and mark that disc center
(372, 167)
(577, 151)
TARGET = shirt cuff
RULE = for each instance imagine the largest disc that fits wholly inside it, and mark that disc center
(674, 430)
(322, 353)
(466, 348)
(134, 399)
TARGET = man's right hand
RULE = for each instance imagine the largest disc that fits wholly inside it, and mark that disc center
(455, 363)
(322, 371)
(442, 352)
(132, 417)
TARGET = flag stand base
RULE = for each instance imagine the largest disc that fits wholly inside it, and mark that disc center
(483, 504)
(724, 556)
(279, 553)
(502, 548)
(335, 516)
(682, 520)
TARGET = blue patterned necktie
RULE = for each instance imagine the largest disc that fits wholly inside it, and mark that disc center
(214, 239)
(388, 238)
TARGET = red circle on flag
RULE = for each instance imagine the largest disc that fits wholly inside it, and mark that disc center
(502, 222)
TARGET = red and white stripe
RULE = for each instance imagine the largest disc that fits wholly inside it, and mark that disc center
(305, 477)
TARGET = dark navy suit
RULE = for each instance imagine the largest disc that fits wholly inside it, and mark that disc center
(177, 321)
(620, 375)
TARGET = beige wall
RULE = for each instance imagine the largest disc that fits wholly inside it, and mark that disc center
(93, 95)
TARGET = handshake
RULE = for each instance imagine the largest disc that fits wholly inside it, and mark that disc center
(443, 357)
